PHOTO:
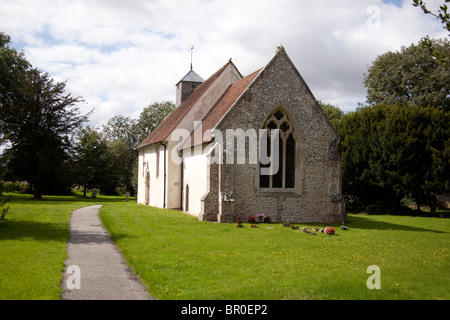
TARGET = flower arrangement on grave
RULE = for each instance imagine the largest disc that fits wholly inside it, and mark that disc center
(251, 219)
(286, 224)
(329, 230)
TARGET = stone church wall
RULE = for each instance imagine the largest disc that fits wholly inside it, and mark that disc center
(317, 192)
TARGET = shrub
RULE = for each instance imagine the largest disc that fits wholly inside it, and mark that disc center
(12, 186)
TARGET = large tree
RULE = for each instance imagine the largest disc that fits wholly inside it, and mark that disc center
(123, 136)
(37, 118)
(392, 152)
(94, 162)
(40, 118)
(412, 76)
(13, 66)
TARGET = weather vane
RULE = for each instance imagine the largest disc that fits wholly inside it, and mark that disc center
(192, 49)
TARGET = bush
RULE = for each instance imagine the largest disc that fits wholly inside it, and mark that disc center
(18, 186)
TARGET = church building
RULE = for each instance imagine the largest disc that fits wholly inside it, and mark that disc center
(240, 146)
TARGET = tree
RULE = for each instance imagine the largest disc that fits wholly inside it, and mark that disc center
(13, 66)
(412, 76)
(94, 162)
(441, 14)
(333, 113)
(392, 152)
(40, 118)
(37, 117)
(2, 200)
(122, 134)
(151, 116)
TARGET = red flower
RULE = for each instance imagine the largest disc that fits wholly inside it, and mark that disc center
(329, 230)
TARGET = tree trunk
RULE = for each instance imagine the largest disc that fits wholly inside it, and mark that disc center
(38, 191)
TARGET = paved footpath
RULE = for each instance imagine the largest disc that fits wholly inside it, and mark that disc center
(95, 269)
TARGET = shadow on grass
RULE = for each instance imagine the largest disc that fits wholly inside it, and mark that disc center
(89, 237)
(33, 230)
(365, 222)
(55, 200)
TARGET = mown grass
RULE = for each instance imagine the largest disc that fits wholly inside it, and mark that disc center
(178, 257)
(33, 242)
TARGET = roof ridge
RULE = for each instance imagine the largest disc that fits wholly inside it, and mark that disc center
(229, 105)
(255, 75)
(237, 83)
(158, 134)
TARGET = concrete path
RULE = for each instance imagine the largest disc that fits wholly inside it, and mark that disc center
(95, 269)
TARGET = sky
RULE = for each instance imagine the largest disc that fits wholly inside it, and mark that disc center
(122, 56)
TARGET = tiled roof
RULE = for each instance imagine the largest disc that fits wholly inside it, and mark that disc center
(220, 109)
(170, 123)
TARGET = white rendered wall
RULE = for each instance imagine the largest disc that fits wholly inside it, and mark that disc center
(173, 186)
(151, 160)
(195, 175)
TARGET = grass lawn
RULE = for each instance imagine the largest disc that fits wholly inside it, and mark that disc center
(33, 239)
(178, 257)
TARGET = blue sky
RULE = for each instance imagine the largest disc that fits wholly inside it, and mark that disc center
(122, 56)
(398, 3)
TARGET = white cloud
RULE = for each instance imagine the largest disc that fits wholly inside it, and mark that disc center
(122, 56)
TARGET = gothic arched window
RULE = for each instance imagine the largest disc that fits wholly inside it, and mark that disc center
(284, 177)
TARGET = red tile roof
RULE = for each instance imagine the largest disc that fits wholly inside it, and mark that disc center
(170, 123)
(220, 109)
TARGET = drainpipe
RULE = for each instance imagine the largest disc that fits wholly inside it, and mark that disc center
(180, 154)
(182, 182)
(165, 173)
